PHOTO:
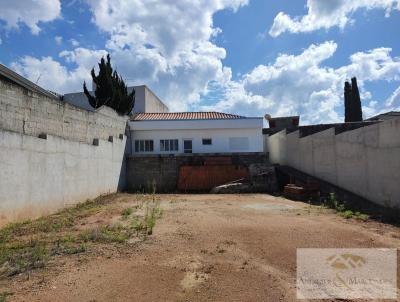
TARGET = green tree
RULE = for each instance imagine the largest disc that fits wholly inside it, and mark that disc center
(352, 102)
(110, 89)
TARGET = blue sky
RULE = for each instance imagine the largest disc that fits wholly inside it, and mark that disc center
(243, 56)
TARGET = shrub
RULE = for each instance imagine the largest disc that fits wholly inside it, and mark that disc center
(348, 214)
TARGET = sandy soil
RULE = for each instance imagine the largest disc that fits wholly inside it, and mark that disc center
(204, 248)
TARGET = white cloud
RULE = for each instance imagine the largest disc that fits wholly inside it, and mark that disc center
(51, 75)
(300, 84)
(58, 40)
(324, 14)
(171, 49)
(74, 42)
(14, 12)
(166, 45)
(393, 102)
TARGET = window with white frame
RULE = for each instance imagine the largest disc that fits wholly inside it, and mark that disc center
(169, 145)
(144, 145)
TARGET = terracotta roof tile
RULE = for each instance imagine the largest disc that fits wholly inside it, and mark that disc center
(184, 116)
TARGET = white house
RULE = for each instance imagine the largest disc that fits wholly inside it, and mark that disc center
(155, 130)
(195, 132)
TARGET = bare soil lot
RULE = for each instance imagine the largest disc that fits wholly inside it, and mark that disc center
(203, 248)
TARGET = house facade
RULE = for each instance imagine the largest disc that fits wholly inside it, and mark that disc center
(154, 130)
(194, 132)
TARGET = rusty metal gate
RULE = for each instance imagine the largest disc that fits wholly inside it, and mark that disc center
(215, 171)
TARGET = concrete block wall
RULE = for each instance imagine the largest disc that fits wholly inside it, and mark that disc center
(365, 161)
(30, 113)
(163, 170)
(40, 176)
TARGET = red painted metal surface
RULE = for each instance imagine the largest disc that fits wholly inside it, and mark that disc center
(204, 178)
(218, 161)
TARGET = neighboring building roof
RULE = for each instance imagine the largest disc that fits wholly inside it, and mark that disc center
(145, 100)
(283, 118)
(24, 82)
(385, 116)
(185, 116)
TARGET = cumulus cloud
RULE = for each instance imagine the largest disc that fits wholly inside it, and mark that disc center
(54, 76)
(58, 40)
(74, 42)
(15, 12)
(393, 102)
(165, 45)
(301, 84)
(324, 14)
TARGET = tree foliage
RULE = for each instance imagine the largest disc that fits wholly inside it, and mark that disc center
(110, 90)
(352, 102)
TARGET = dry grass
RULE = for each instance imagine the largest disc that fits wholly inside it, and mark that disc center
(29, 245)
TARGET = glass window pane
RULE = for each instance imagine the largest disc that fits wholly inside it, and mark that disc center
(166, 145)
(151, 146)
(136, 146)
(162, 148)
(207, 141)
(141, 146)
(176, 146)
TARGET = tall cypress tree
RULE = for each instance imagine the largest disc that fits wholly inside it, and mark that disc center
(111, 89)
(347, 102)
(352, 102)
(356, 101)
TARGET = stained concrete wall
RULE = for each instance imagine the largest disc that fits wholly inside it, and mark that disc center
(163, 170)
(41, 175)
(365, 161)
(31, 113)
(276, 146)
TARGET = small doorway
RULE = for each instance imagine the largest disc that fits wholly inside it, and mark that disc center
(187, 145)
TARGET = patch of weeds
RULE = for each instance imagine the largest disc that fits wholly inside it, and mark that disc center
(347, 214)
(152, 213)
(29, 244)
(14, 229)
(360, 216)
(53, 235)
(22, 256)
(107, 234)
(4, 295)
(341, 208)
(126, 213)
(138, 226)
(68, 248)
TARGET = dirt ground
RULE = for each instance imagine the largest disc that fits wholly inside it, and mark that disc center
(203, 248)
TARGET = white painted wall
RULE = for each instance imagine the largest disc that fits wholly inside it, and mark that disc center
(220, 139)
(276, 146)
(218, 130)
(365, 161)
(39, 176)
